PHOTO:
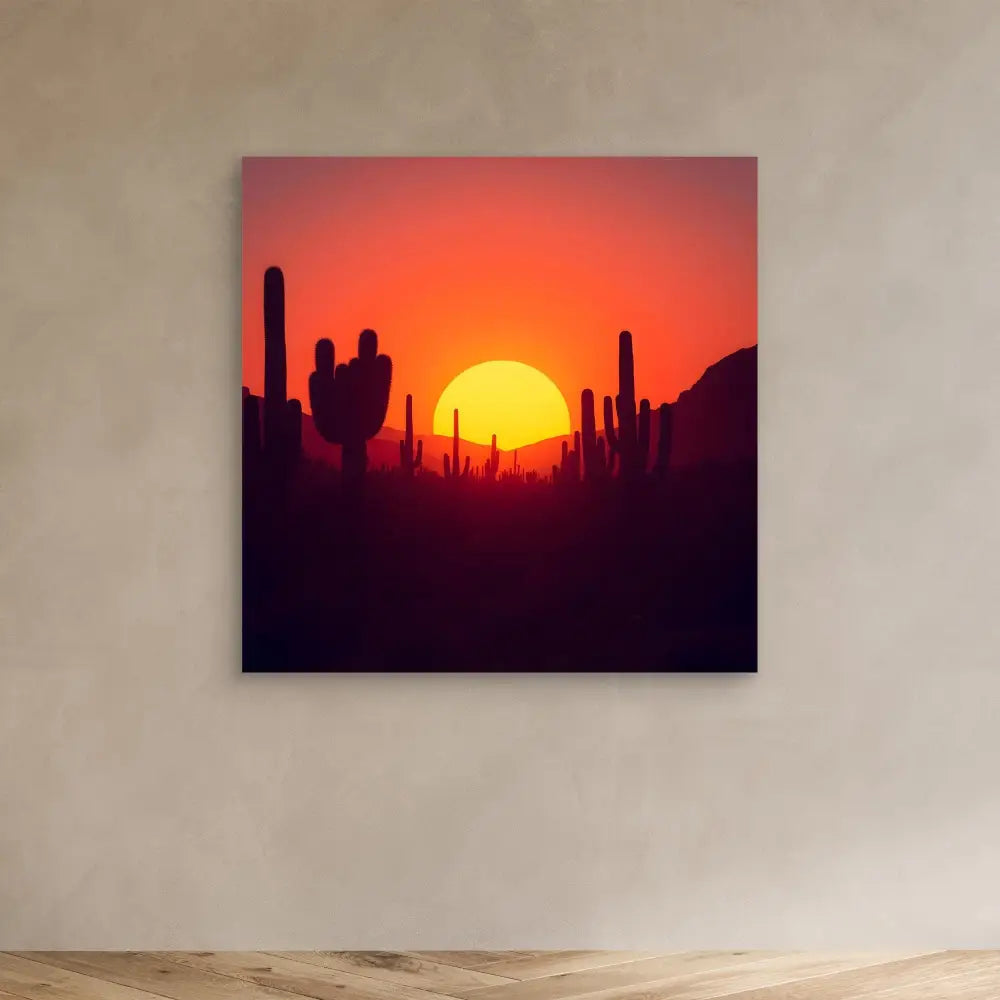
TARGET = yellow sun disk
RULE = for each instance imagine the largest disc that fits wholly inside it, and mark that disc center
(518, 403)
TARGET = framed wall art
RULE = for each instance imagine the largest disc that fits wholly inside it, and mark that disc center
(500, 414)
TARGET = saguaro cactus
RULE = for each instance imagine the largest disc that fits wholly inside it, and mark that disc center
(595, 461)
(451, 467)
(662, 466)
(631, 440)
(349, 401)
(281, 440)
(410, 461)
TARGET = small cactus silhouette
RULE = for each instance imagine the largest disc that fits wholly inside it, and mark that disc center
(410, 461)
(349, 401)
(631, 440)
(492, 464)
(568, 471)
(451, 467)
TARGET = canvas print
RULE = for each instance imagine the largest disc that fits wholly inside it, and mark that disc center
(499, 414)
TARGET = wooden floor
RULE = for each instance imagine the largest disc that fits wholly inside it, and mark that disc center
(498, 975)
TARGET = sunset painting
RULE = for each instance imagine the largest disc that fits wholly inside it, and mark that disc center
(499, 414)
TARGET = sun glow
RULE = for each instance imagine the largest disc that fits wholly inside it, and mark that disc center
(518, 403)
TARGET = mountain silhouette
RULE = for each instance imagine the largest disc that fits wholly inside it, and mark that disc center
(716, 419)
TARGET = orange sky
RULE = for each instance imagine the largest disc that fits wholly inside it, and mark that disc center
(454, 261)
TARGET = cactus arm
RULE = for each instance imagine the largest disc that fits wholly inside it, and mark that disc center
(323, 393)
(367, 346)
(377, 386)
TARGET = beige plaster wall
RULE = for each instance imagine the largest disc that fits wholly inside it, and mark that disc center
(150, 796)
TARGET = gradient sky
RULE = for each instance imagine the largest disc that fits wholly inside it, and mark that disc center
(455, 261)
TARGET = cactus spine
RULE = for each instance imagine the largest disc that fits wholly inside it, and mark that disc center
(410, 461)
(631, 440)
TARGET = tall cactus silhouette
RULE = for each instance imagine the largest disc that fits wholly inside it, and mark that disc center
(410, 461)
(451, 467)
(631, 440)
(662, 466)
(595, 461)
(349, 401)
(274, 435)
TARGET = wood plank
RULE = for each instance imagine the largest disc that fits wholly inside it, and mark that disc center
(147, 971)
(647, 970)
(774, 971)
(29, 979)
(398, 967)
(971, 975)
(968, 975)
(472, 959)
(557, 963)
(301, 978)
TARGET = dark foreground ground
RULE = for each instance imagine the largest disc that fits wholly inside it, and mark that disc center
(427, 574)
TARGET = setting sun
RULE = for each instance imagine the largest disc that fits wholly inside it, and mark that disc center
(518, 403)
